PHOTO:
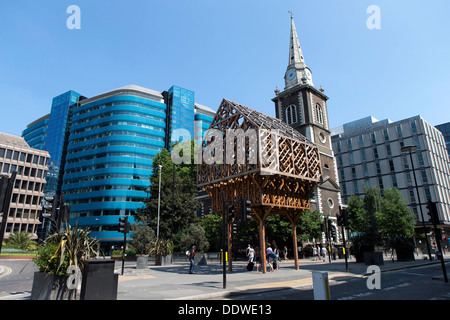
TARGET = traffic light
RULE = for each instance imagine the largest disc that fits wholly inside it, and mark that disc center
(332, 230)
(231, 213)
(246, 210)
(124, 225)
(432, 212)
(50, 207)
(342, 217)
(234, 227)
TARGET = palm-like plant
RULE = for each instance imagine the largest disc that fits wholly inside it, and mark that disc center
(75, 243)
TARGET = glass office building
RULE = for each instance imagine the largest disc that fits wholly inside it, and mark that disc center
(445, 130)
(54, 141)
(36, 132)
(113, 139)
(180, 112)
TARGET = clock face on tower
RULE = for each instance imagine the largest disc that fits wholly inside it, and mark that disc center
(308, 74)
(291, 74)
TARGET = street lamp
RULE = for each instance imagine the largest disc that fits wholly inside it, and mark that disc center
(159, 201)
(410, 149)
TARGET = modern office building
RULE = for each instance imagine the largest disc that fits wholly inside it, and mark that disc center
(445, 130)
(31, 166)
(369, 153)
(36, 132)
(56, 133)
(113, 139)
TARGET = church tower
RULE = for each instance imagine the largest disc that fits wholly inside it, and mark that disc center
(304, 107)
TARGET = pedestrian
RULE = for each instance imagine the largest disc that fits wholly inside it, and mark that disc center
(314, 253)
(191, 256)
(285, 252)
(277, 254)
(324, 253)
(250, 253)
(269, 254)
(251, 257)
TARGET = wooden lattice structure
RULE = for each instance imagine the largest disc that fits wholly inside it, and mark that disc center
(280, 171)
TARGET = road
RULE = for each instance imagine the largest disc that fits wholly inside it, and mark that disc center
(408, 284)
(18, 278)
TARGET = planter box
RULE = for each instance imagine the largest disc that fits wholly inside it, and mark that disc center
(142, 262)
(51, 287)
(99, 281)
(163, 260)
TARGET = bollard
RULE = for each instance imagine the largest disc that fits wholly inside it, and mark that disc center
(320, 285)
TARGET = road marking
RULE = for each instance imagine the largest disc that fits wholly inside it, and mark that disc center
(8, 271)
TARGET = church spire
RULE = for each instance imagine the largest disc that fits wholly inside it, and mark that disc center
(297, 70)
(295, 51)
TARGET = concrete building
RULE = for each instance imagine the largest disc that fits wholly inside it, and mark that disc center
(31, 167)
(369, 153)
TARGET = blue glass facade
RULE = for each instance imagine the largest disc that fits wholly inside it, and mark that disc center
(36, 132)
(445, 129)
(180, 112)
(54, 141)
(113, 139)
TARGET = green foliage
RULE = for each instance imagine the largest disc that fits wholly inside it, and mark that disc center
(308, 225)
(72, 247)
(376, 215)
(192, 235)
(212, 224)
(143, 234)
(21, 240)
(48, 259)
(160, 247)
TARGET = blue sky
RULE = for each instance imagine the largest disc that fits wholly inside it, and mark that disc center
(228, 49)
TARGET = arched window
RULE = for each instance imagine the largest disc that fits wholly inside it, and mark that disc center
(319, 114)
(291, 114)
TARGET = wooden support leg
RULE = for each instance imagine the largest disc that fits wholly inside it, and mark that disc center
(262, 244)
(294, 237)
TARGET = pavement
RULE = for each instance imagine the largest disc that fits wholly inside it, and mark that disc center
(174, 282)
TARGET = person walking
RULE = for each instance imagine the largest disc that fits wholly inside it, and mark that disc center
(277, 254)
(191, 257)
(324, 253)
(285, 252)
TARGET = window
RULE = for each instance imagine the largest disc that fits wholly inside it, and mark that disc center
(319, 114)
(413, 127)
(399, 131)
(291, 114)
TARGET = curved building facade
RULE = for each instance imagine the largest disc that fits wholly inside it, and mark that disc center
(113, 139)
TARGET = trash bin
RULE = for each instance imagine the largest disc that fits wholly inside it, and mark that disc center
(99, 281)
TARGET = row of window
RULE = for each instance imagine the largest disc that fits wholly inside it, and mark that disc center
(18, 226)
(117, 133)
(109, 165)
(114, 154)
(116, 103)
(22, 170)
(115, 113)
(107, 199)
(119, 123)
(106, 187)
(106, 177)
(23, 156)
(115, 143)
(20, 199)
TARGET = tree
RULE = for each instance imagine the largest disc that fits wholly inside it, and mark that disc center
(395, 219)
(212, 224)
(21, 240)
(178, 201)
(192, 235)
(356, 214)
(308, 225)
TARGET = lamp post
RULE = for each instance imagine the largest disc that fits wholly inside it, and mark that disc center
(159, 201)
(410, 149)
